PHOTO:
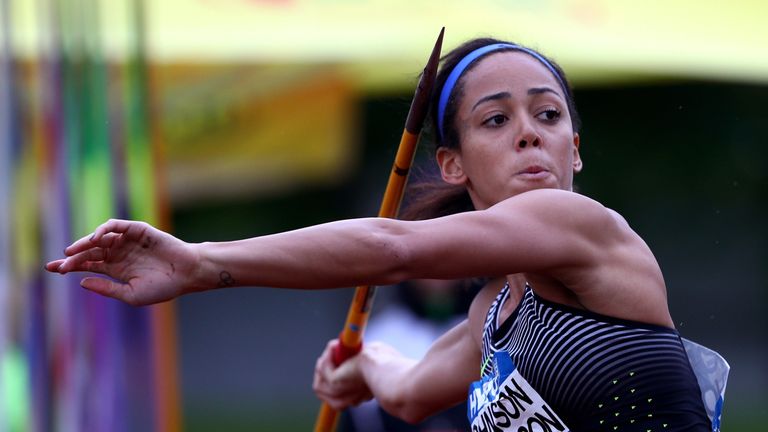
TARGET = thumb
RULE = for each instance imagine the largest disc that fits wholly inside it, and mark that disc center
(108, 288)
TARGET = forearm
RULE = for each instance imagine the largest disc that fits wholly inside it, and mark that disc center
(387, 378)
(414, 390)
(337, 254)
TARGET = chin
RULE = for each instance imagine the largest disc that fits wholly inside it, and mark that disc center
(529, 185)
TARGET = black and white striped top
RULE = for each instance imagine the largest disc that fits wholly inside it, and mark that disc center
(598, 373)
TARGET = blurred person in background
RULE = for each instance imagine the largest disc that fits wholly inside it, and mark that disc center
(572, 331)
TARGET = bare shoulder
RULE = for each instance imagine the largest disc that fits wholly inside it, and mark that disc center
(568, 215)
(541, 231)
(564, 241)
(567, 206)
(618, 217)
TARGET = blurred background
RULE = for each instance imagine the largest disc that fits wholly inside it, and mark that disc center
(224, 119)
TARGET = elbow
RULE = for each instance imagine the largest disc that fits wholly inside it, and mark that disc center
(391, 240)
(413, 417)
(399, 405)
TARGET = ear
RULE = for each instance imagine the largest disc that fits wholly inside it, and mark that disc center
(577, 163)
(450, 166)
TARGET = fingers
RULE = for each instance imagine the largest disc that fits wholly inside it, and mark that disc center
(107, 240)
(107, 288)
(77, 262)
(53, 266)
(79, 245)
(340, 387)
(88, 260)
(343, 401)
(98, 285)
(108, 231)
(133, 230)
(324, 365)
(321, 382)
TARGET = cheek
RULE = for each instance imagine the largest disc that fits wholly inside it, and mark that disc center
(563, 146)
(479, 152)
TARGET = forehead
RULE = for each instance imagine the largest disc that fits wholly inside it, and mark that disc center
(508, 70)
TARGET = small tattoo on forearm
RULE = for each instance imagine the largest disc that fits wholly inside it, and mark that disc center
(225, 279)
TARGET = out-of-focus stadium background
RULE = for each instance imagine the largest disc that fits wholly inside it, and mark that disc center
(225, 119)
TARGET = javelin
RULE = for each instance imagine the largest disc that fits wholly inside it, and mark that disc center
(351, 337)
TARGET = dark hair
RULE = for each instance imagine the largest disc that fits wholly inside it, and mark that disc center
(431, 199)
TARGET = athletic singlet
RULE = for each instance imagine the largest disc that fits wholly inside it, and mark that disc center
(598, 373)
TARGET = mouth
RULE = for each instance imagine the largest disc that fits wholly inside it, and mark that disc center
(533, 172)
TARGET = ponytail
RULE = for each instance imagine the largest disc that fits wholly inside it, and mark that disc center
(433, 199)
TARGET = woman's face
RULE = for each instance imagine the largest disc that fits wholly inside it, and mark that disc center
(514, 129)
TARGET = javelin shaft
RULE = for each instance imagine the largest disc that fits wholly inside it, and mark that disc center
(351, 337)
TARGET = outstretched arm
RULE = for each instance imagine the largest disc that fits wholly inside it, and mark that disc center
(538, 231)
(146, 265)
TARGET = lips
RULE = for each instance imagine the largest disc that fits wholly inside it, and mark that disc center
(533, 172)
(533, 169)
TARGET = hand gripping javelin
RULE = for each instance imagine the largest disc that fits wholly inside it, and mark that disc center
(351, 337)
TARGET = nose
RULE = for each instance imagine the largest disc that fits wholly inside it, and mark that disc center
(527, 136)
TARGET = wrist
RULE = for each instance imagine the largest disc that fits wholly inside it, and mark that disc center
(209, 272)
(201, 276)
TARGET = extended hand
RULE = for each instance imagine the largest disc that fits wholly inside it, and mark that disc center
(145, 265)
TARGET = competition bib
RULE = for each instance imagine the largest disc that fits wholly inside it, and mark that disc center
(504, 401)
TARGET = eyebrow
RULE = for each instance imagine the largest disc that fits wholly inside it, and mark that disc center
(540, 90)
(495, 96)
(506, 95)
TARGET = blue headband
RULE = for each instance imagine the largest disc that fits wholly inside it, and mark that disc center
(456, 73)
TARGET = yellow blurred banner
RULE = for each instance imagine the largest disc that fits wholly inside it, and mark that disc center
(593, 39)
(242, 130)
(386, 39)
(258, 95)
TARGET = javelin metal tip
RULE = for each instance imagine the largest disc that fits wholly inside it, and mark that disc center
(420, 104)
(434, 58)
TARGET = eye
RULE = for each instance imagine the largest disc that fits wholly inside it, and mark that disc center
(549, 115)
(495, 120)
